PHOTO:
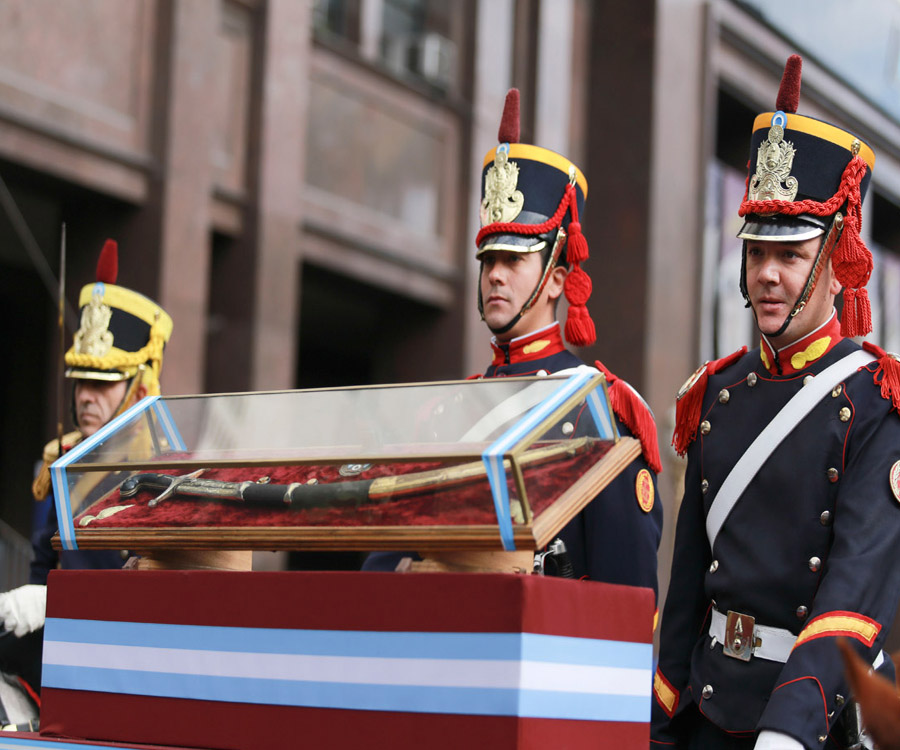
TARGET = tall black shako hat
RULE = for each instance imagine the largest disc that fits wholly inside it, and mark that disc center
(807, 178)
(530, 201)
(122, 333)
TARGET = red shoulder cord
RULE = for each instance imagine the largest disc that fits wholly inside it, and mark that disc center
(887, 374)
(634, 413)
(687, 408)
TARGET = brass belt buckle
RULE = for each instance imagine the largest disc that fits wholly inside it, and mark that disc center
(739, 639)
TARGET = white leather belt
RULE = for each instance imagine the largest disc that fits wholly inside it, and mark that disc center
(774, 644)
(742, 638)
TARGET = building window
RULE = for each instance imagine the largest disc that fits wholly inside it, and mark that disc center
(337, 19)
(414, 40)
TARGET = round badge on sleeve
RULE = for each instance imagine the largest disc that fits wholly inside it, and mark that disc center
(895, 480)
(643, 488)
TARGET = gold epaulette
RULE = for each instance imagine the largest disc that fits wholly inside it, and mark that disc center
(40, 487)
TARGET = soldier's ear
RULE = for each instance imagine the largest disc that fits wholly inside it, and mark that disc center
(140, 392)
(556, 282)
(834, 286)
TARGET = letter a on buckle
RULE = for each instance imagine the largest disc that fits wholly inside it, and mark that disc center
(738, 636)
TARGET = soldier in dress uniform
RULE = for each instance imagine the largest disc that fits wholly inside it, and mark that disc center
(789, 527)
(115, 361)
(531, 249)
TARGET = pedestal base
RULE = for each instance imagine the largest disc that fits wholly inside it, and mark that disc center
(170, 559)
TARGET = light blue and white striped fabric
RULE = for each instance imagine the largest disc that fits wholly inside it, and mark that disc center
(20, 743)
(501, 674)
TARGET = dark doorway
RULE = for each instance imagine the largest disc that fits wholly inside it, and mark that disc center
(353, 333)
(29, 376)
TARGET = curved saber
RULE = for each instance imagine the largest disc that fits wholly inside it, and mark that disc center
(334, 494)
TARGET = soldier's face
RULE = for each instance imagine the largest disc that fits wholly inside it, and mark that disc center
(776, 277)
(507, 281)
(96, 401)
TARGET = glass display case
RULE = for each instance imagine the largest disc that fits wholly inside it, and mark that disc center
(495, 464)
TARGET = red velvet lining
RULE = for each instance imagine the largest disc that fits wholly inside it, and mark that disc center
(461, 505)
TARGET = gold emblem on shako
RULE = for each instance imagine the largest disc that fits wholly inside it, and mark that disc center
(94, 337)
(502, 201)
(773, 166)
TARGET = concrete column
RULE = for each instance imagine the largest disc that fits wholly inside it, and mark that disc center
(554, 75)
(681, 145)
(280, 198)
(186, 189)
(493, 73)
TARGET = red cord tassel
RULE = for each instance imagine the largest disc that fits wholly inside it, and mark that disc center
(580, 329)
(856, 317)
(576, 246)
(631, 409)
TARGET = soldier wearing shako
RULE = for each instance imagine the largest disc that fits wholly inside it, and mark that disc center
(789, 527)
(115, 361)
(531, 250)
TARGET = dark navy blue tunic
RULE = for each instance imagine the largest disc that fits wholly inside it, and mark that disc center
(810, 547)
(45, 558)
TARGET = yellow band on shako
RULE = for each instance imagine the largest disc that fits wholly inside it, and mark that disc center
(543, 155)
(131, 302)
(821, 130)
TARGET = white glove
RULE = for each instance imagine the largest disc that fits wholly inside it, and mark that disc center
(23, 609)
(769, 740)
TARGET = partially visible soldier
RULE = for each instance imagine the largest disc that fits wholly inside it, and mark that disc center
(788, 531)
(115, 361)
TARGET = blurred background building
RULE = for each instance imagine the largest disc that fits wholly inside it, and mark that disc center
(297, 182)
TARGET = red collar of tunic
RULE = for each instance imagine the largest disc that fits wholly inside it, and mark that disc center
(797, 356)
(536, 345)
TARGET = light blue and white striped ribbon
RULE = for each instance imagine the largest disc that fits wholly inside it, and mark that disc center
(169, 428)
(18, 743)
(58, 468)
(500, 674)
(493, 455)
